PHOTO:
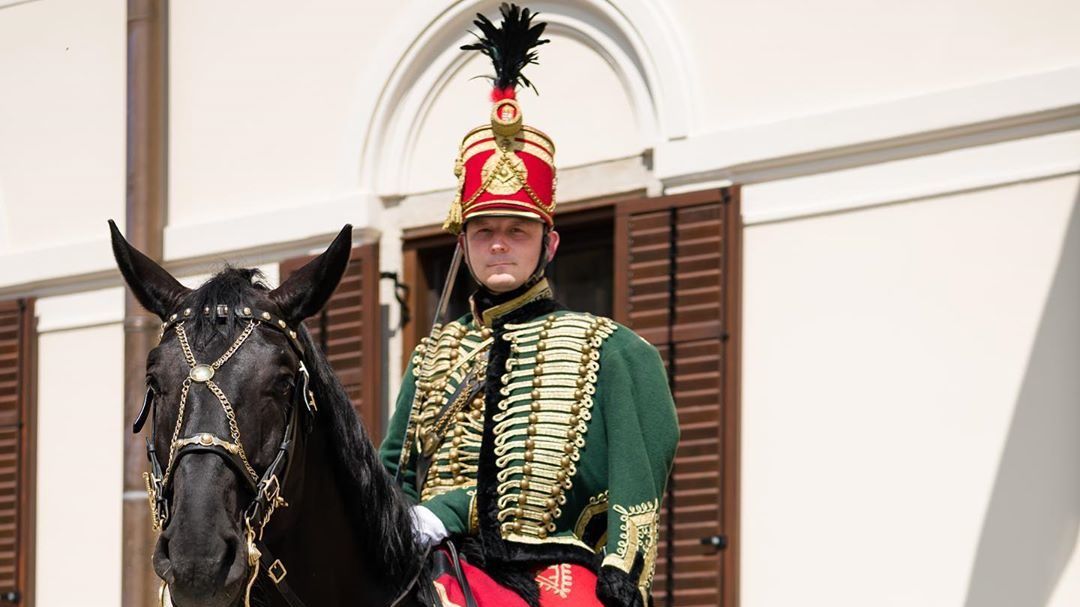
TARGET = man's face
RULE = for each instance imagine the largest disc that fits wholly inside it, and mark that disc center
(504, 251)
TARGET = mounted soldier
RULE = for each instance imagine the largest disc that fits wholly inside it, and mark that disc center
(536, 441)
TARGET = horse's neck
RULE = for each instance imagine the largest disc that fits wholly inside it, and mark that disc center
(326, 565)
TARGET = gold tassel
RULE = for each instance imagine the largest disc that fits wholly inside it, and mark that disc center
(453, 220)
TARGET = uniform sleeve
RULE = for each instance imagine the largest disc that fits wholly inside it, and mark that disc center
(455, 508)
(390, 450)
(642, 434)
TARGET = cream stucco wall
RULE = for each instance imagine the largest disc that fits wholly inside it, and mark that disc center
(61, 124)
(80, 437)
(787, 58)
(910, 434)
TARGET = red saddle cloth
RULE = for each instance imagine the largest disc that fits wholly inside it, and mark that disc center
(561, 585)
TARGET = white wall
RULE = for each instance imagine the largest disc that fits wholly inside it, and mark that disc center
(80, 459)
(910, 435)
(759, 62)
(61, 124)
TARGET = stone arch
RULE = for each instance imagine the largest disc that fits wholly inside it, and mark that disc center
(635, 38)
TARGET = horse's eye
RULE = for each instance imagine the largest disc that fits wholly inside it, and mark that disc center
(283, 386)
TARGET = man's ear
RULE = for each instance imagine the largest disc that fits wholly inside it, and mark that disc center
(151, 284)
(309, 288)
(552, 245)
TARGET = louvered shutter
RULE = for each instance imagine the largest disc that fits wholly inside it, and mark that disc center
(348, 332)
(676, 284)
(17, 378)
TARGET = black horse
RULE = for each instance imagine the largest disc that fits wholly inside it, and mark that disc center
(345, 535)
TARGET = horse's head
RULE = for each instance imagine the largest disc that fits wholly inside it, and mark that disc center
(227, 387)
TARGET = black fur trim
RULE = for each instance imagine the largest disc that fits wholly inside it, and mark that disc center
(616, 588)
(508, 563)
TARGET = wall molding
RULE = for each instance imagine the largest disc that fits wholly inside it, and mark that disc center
(636, 37)
(50, 274)
(1009, 109)
(913, 179)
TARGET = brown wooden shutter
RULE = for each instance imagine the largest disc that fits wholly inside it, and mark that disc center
(17, 380)
(677, 285)
(348, 332)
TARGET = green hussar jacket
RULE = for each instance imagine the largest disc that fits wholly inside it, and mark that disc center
(550, 435)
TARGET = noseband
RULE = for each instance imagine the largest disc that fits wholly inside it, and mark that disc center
(267, 487)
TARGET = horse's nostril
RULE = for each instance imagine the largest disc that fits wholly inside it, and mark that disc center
(160, 560)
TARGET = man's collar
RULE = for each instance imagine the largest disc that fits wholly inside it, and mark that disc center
(540, 290)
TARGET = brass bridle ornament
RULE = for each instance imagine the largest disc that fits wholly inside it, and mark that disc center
(267, 487)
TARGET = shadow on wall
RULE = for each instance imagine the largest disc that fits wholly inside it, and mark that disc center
(1031, 524)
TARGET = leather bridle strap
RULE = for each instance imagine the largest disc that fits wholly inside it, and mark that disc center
(276, 572)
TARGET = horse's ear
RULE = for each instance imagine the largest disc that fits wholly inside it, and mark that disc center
(309, 288)
(152, 285)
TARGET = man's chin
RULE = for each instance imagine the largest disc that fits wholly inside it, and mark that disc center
(502, 283)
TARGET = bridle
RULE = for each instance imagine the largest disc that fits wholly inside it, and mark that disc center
(267, 487)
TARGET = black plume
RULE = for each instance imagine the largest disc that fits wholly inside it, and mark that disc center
(511, 46)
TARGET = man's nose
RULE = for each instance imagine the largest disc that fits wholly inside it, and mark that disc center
(498, 245)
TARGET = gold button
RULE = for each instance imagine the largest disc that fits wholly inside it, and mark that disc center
(540, 358)
(524, 484)
(459, 480)
(527, 469)
(534, 406)
(530, 444)
(532, 431)
(579, 394)
(533, 418)
(520, 512)
(528, 456)
(575, 409)
(544, 334)
(538, 370)
(546, 518)
(459, 416)
(584, 358)
(550, 503)
(568, 448)
(571, 434)
(537, 382)
(535, 394)
(517, 527)
(581, 382)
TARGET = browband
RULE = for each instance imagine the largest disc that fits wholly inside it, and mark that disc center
(221, 311)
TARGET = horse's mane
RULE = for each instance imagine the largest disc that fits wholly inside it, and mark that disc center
(378, 509)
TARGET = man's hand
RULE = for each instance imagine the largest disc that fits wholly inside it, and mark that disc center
(427, 528)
